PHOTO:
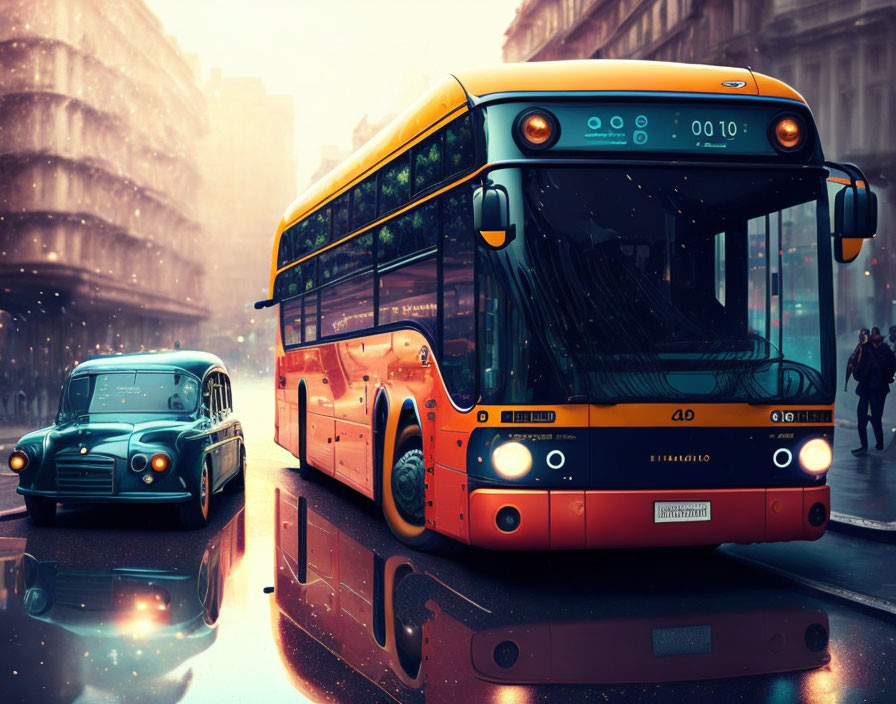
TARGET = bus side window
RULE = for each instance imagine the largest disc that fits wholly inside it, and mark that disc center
(459, 148)
(310, 317)
(428, 163)
(458, 359)
(364, 203)
(409, 293)
(395, 184)
(284, 253)
(292, 322)
(340, 216)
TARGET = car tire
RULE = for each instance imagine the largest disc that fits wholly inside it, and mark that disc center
(238, 481)
(41, 510)
(194, 513)
(403, 497)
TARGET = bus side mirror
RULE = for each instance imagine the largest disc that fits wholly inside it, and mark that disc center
(854, 216)
(491, 215)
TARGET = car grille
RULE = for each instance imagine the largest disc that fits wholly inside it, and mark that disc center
(81, 591)
(92, 475)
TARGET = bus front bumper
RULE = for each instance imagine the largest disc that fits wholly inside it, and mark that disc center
(571, 520)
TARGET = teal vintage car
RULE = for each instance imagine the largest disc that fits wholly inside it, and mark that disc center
(154, 427)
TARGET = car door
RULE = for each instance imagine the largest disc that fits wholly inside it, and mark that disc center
(231, 454)
(211, 397)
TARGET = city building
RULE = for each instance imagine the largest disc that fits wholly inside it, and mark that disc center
(100, 245)
(248, 168)
(841, 54)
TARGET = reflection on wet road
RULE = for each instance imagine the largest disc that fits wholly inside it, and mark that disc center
(115, 606)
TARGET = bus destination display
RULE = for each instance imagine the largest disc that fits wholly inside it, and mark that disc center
(734, 129)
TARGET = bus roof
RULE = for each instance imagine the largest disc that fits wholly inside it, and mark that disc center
(453, 93)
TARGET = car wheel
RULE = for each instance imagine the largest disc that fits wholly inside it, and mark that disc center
(403, 495)
(41, 510)
(194, 513)
(238, 481)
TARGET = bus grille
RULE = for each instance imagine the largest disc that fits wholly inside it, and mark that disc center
(92, 475)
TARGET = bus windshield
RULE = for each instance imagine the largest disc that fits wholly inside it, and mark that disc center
(653, 284)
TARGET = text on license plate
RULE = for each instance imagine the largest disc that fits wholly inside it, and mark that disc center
(681, 511)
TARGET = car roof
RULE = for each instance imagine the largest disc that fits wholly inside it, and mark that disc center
(191, 361)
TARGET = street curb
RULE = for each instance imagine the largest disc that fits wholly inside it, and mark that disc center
(866, 601)
(13, 513)
(868, 525)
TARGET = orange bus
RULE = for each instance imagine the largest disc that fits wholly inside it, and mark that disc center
(574, 305)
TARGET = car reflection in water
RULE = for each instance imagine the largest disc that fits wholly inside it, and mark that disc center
(394, 617)
(113, 631)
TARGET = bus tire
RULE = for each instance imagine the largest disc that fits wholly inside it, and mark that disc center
(403, 495)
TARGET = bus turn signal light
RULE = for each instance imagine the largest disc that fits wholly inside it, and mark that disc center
(816, 456)
(789, 133)
(18, 460)
(160, 462)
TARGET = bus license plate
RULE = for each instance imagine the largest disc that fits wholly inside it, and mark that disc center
(681, 511)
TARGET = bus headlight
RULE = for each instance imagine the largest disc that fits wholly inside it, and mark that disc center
(816, 456)
(512, 460)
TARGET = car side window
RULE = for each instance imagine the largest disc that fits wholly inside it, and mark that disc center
(208, 398)
(228, 393)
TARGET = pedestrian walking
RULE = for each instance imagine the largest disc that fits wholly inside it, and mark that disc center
(874, 371)
(853, 362)
(891, 339)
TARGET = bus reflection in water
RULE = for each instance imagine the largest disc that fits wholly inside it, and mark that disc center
(569, 305)
(82, 620)
(396, 619)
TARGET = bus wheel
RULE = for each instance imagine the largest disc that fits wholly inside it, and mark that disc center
(403, 495)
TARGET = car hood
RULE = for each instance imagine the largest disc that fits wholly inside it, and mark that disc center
(110, 437)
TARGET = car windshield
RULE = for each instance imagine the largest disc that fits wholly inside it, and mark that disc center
(665, 284)
(131, 392)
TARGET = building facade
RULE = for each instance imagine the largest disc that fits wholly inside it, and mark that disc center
(100, 246)
(248, 171)
(840, 54)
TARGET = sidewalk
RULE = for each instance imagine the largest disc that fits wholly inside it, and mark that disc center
(863, 487)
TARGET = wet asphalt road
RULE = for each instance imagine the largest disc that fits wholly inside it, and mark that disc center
(363, 619)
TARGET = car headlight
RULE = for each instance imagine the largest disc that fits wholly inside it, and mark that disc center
(816, 456)
(512, 460)
(18, 460)
(160, 462)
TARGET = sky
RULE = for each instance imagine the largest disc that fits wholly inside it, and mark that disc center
(340, 59)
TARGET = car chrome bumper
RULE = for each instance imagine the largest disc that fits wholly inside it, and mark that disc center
(137, 497)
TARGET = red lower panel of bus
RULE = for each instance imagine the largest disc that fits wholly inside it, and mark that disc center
(569, 520)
